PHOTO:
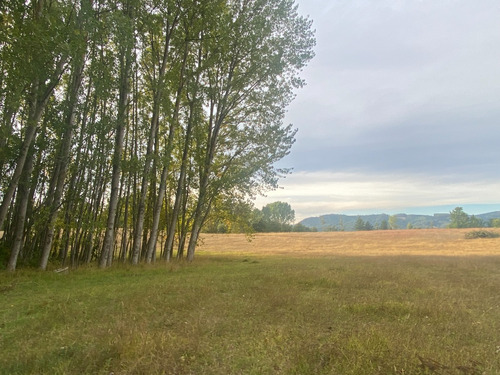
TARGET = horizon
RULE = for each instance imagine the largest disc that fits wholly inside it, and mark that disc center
(470, 209)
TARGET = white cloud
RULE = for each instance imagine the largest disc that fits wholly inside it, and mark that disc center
(319, 193)
(403, 93)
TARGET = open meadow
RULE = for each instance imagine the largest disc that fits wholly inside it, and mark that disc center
(378, 302)
(435, 242)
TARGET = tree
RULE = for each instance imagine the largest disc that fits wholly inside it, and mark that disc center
(393, 222)
(254, 65)
(299, 227)
(279, 212)
(475, 222)
(494, 223)
(359, 224)
(384, 225)
(126, 45)
(231, 216)
(159, 57)
(458, 218)
(241, 217)
(39, 55)
(60, 169)
(45, 40)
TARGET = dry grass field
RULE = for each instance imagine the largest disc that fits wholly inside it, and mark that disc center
(409, 302)
(441, 242)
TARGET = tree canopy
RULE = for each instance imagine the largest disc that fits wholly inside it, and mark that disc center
(125, 124)
(460, 219)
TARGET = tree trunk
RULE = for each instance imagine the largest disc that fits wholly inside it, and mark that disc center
(125, 63)
(153, 134)
(180, 187)
(62, 161)
(168, 150)
(23, 198)
(156, 216)
(37, 102)
(33, 120)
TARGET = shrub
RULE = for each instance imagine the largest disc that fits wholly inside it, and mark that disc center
(481, 234)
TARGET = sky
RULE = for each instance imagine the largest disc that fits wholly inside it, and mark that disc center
(401, 111)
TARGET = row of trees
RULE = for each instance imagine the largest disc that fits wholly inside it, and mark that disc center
(126, 122)
(279, 217)
(274, 217)
(460, 219)
(391, 223)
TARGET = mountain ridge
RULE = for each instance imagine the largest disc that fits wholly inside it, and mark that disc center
(342, 222)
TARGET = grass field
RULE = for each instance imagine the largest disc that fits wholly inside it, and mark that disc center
(391, 302)
(440, 242)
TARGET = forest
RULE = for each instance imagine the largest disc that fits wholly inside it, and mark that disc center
(126, 125)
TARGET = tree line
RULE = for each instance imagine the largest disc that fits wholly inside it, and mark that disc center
(391, 223)
(126, 123)
(245, 218)
(457, 217)
(460, 219)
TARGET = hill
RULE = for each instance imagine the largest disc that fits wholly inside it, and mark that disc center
(341, 222)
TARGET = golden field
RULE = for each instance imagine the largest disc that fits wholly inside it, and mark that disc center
(416, 302)
(441, 242)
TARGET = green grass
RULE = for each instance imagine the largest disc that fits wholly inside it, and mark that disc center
(257, 315)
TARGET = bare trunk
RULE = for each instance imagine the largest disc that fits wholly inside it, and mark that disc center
(23, 197)
(156, 216)
(124, 237)
(169, 244)
(153, 133)
(33, 120)
(193, 239)
(113, 200)
(199, 216)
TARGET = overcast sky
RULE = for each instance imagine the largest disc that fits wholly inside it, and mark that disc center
(401, 110)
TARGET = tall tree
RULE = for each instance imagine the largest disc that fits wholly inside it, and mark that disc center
(194, 34)
(279, 212)
(126, 42)
(359, 224)
(40, 48)
(460, 219)
(168, 25)
(54, 195)
(263, 46)
(393, 222)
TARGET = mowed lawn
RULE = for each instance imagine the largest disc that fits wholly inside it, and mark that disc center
(388, 302)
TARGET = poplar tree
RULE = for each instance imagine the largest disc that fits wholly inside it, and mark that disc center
(264, 45)
(38, 53)
(126, 28)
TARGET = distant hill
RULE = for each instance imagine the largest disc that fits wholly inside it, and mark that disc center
(347, 222)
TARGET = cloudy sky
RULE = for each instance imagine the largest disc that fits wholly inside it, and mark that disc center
(401, 110)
